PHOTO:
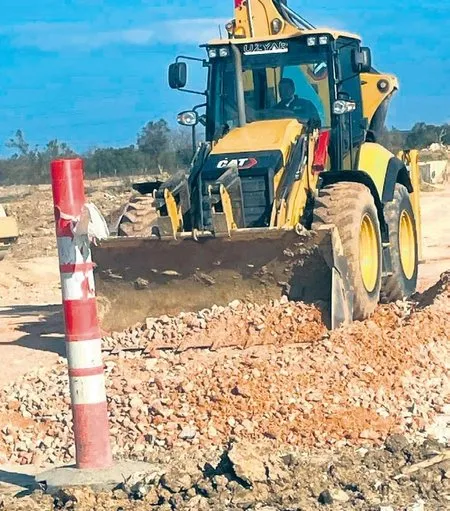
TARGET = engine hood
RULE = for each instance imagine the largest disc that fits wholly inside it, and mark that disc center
(275, 135)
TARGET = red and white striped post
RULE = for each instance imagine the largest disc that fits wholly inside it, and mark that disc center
(83, 339)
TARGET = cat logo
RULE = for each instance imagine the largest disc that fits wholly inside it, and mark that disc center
(240, 163)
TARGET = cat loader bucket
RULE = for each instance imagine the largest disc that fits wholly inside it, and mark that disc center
(140, 277)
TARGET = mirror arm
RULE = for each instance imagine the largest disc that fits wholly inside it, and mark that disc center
(193, 92)
(199, 106)
(196, 59)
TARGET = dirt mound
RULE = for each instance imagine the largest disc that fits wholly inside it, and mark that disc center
(384, 375)
(440, 292)
(33, 208)
(237, 325)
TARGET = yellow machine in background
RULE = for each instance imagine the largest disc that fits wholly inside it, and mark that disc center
(291, 193)
(9, 232)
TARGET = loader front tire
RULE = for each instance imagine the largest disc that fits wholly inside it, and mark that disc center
(399, 216)
(351, 208)
(139, 217)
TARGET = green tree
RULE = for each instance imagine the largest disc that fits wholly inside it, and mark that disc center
(112, 161)
(423, 135)
(181, 141)
(153, 140)
(18, 142)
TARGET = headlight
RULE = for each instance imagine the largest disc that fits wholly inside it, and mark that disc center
(224, 52)
(212, 53)
(311, 41)
(277, 25)
(341, 107)
(189, 118)
(323, 39)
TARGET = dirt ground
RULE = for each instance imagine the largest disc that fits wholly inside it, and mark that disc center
(31, 337)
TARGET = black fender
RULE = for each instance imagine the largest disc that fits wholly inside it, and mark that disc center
(396, 173)
(358, 176)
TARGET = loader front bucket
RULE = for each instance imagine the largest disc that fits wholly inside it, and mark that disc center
(138, 278)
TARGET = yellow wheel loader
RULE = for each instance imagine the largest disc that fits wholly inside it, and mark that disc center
(9, 232)
(291, 193)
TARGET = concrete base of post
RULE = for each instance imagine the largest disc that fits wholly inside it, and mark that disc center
(99, 479)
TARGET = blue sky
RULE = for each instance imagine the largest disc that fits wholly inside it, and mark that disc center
(93, 72)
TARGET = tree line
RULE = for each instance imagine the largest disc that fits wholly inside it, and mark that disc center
(421, 136)
(159, 149)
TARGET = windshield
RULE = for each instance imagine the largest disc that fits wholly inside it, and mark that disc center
(281, 80)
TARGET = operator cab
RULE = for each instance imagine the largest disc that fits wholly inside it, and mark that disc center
(313, 77)
(281, 80)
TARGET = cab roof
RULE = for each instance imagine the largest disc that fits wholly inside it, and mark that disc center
(301, 33)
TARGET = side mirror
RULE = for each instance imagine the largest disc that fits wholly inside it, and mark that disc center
(362, 60)
(177, 75)
(188, 118)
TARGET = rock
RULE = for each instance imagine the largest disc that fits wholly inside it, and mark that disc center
(138, 486)
(417, 506)
(64, 500)
(276, 472)
(141, 284)
(176, 480)
(136, 403)
(152, 497)
(396, 444)
(338, 495)
(206, 488)
(231, 422)
(325, 498)
(150, 364)
(369, 434)
(188, 433)
(212, 432)
(247, 465)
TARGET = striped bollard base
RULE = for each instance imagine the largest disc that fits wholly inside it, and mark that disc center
(83, 339)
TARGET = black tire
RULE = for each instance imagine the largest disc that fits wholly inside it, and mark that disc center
(139, 217)
(400, 284)
(347, 205)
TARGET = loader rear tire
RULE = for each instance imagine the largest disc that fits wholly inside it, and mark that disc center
(139, 217)
(351, 208)
(399, 216)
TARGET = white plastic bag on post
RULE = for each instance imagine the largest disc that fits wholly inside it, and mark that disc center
(90, 228)
(92, 224)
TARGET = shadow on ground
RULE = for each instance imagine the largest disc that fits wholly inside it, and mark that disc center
(16, 484)
(42, 327)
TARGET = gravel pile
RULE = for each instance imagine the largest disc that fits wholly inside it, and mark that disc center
(386, 375)
(237, 325)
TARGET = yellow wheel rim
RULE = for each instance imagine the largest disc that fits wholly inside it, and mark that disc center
(407, 244)
(368, 253)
